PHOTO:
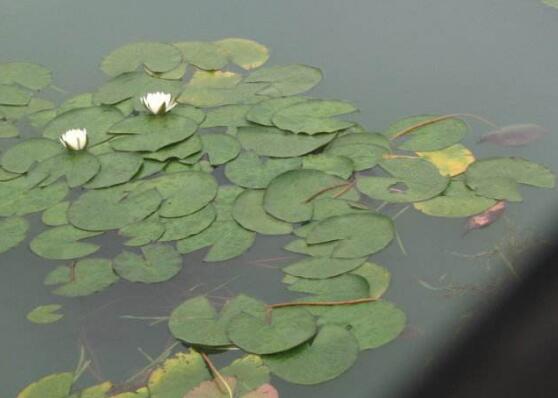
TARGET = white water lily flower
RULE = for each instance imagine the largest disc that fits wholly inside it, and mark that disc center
(75, 139)
(158, 103)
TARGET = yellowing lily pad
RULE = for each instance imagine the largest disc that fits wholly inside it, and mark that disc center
(451, 161)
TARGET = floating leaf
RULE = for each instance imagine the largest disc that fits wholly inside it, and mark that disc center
(177, 228)
(498, 178)
(62, 243)
(56, 385)
(178, 375)
(456, 201)
(551, 3)
(515, 135)
(342, 287)
(249, 372)
(289, 196)
(363, 156)
(157, 263)
(151, 133)
(220, 148)
(97, 391)
(202, 96)
(143, 232)
(248, 211)
(8, 130)
(247, 54)
(112, 208)
(373, 324)
(11, 112)
(264, 391)
(286, 80)
(413, 180)
(450, 161)
(227, 116)
(17, 199)
(331, 353)
(56, 215)
(12, 232)
(215, 79)
(7, 175)
(77, 167)
(116, 168)
(21, 157)
(14, 95)
(83, 278)
(263, 112)
(271, 331)
(434, 134)
(179, 150)
(322, 267)
(339, 166)
(196, 321)
(213, 389)
(300, 246)
(327, 207)
(269, 141)
(45, 314)
(249, 171)
(357, 235)
(204, 55)
(96, 120)
(315, 116)
(157, 57)
(378, 278)
(31, 76)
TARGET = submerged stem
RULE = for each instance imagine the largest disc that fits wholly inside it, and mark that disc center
(321, 191)
(217, 374)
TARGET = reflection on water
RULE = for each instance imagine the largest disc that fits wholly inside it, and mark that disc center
(391, 60)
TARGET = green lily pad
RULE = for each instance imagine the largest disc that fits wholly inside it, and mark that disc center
(263, 112)
(56, 215)
(362, 156)
(286, 80)
(21, 157)
(206, 97)
(56, 385)
(204, 55)
(300, 246)
(249, 372)
(342, 287)
(157, 57)
(249, 171)
(83, 278)
(45, 314)
(378, 278)
(247, 54)
(289, 196)
(143, 232)
(339, 166)
(151, 133)
(14, 95)
(16, 197)
(116, 168)
(322, 267)
(331, 353)
(413, 180)
(96, 120)
(226, 238)
(357, 235)
(271, 332)
(269, 141)
(178, 375)
(8, 129)
(31, 76)
(373, 324)
(157, 263)
(220, 148)
(360, 138)
(314, 116)
(431, 137)
(196, 321)
(77, 167)
(227, 116)
(63, 243)
(7, 175)
(248, 211)
(112, 208)
(498, 178)
(16, 112)
(327, 207)
(177, 228)
(181, 150)
(13, 231)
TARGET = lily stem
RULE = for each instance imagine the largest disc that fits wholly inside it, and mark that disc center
(322, 303)
(217, 374)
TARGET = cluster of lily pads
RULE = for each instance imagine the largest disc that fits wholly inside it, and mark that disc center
(140, 156)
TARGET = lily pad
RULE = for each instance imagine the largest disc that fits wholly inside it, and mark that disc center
(357, 235)
(289, 196)
(413, 180)
(247, 54)
(56, 215)
(77, 167)
(378, 278)
(83, 278)
(227, 116)
(157, 263)
(14, 95)
(331, 353)
(248, 211)
(116, 168)
(286, 80)
(16, 197)
(181, 150)
(451, 161)
(56, 385)
(63, 243)
(249, 372)
(204, 55)
(13, 231)
(206, 97)
(339, 166)
(362, 156)
(177, 228)
(8, 129)
(322, 267)
(45, 314)
(143, 232)
(249, 171)
(342, 287)
(313, 117)
(22, 157)
(220, 148)
(31, 76)
(196, 321)
(269, 332)
(157, 57)
(263, 112)
(269, 141)
(112, 208)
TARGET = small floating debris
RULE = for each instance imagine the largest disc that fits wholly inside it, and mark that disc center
(515, 135)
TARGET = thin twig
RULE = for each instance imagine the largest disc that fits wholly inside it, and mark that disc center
(400, 212)
(346, 189)
(322, 303)
(321, 191)
(400, 243)
(217, 374)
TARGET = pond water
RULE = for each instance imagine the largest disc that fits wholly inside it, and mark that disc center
(392, 59)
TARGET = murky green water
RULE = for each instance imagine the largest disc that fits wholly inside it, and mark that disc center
(391, 59)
